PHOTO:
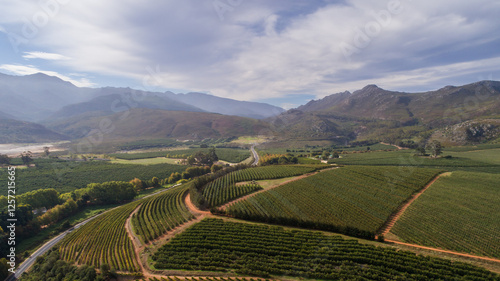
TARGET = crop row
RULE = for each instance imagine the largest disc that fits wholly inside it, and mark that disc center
(161, 214)
(204, 279)
(459, 212)
(225, 189)
(353, 200)
(103, 240)
(260, 250)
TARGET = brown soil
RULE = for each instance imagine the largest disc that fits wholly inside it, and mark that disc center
(386, 228)
(443, 251)
(223, 207)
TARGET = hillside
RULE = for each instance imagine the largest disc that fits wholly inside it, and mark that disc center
(154, 123)
(14, 131)
(113, 103)
(227, 106)
(378, 114)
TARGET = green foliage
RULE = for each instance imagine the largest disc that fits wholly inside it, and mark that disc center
(232, 155)
(111, 192)
(50, 268)
(459, 212)
(47, 198)
(165, 212)
(225, 189)
(66, 176)
(103, 240)
(351, 200)
(4, 159)
(217, 245)
(58, 213)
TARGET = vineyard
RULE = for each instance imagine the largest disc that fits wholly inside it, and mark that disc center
(66, 176)
(161, 214)
(232, 155)
(259, 250)
(225, 189)
(103, 240)
(353, 200)
(459, 212)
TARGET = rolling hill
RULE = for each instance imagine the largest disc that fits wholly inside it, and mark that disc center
(154, 123)
(227, 106)
(14, 131)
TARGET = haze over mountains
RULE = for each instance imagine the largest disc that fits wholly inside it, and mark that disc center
(369, 114)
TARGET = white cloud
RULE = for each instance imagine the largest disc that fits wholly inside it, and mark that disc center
(267, 49)
(44, 56)
(30, 69)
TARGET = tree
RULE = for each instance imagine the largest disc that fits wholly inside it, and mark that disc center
(336, 154)
(155, 181)
(46, 150)
(420, 151)
(137, 183)
(4, 159)
(26, 158)
(436, 148)
(325, 155)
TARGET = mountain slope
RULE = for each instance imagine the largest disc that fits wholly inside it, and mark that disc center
(14, 131)
(227, 106)
(140, 123)
(377, 114)
(113, 103)
(33, 97)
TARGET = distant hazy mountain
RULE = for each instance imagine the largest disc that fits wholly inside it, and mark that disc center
(39, 97)
(114, 103)
(4, 115)
(14, 131)
(140, 123)
(228, 106)
(33, 97)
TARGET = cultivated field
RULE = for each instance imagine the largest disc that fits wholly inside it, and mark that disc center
(460, 212)
(232, 155)
(161, 214)
(216, 245)
(225, 189)
(354, 200)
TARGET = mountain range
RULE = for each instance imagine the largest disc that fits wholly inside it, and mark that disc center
(465, 113)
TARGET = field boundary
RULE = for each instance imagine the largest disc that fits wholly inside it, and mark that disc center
(296, 178)
(443, 251)
(391, 220)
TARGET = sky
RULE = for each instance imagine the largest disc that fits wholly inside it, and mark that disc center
(284, 52)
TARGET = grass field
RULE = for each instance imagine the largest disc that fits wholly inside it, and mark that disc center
(354, 200)
(460, 212)
(261, 250)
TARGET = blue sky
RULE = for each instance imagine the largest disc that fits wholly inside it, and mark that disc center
(283, 52)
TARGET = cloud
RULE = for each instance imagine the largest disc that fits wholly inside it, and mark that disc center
(44, 56)
(270, 49)
(30, 69)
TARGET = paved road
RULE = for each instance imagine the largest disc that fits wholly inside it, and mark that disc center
(255, 156)
(42, 250)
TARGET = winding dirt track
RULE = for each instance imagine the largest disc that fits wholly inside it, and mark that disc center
(223, 207)
(386, 228)
(443, 251)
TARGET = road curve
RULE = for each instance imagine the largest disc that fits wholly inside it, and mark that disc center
(255, 156)
(42, 250)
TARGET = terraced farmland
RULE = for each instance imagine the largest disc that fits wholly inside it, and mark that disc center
(260, 250)
(225, 189)
(353, 200)
(161, 214)
(460, 212)
(103, 240)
